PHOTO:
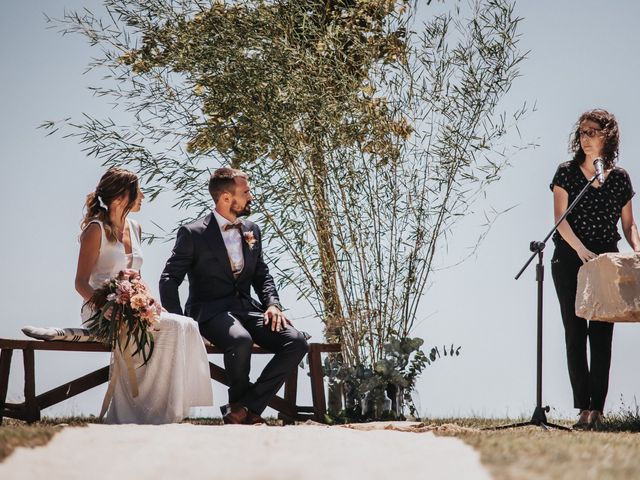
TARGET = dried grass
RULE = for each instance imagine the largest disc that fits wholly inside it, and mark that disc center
(14, 433)
(535, 453)
(515, 454)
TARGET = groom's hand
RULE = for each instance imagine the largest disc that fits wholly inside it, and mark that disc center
(277, 319)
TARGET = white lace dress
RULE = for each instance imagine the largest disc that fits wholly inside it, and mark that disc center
(176, 377)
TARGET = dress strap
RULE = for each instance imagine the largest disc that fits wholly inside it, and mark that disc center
(99, 222)
(94, 220)
(136, 230)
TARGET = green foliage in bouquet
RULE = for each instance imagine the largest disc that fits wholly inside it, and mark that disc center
(124, 313)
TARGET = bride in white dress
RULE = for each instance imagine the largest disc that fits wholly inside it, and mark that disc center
(176, 377)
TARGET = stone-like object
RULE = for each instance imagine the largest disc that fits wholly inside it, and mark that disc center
(609, 288)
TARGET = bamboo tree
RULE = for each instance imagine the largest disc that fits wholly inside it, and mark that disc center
(367, 133)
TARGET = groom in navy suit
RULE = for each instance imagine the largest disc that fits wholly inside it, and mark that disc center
(222, 256)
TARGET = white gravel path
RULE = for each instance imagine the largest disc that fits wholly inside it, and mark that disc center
(191, 452)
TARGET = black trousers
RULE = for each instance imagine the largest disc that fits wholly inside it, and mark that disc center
(236, 332)
(589, 381)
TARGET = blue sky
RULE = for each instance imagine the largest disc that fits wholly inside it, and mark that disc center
(582, 55)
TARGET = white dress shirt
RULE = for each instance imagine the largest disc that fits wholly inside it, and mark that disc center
(233, 241)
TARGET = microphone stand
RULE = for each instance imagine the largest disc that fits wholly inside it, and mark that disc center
(539, 417)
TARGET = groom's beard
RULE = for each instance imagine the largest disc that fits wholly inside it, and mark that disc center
(241, 212)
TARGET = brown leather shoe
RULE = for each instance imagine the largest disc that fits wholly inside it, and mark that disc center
(234, 414)
(583, 420)
(254, 419)
(595, 420)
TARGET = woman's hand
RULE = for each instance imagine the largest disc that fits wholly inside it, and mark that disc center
(560, 203)
(108, 313)
(585, 254)
(131, 273)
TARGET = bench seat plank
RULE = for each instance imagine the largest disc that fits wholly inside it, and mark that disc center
(30, 409)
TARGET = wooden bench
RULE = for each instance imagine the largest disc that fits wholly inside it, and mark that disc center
(33, 404)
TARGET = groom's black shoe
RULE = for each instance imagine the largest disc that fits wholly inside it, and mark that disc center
(234, 414)
(254, 419)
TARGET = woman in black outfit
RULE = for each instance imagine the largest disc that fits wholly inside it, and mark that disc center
(589, 230)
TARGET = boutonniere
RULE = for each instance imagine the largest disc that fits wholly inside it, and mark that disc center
(250, 239)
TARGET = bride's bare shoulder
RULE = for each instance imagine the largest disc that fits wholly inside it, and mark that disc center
(92, 233)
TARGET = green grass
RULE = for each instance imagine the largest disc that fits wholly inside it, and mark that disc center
(271, 421)
(626, 420)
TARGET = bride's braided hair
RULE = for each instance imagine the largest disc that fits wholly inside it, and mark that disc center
(115, 183)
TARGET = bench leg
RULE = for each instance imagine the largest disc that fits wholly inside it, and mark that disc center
(72, 388)
(5, 368)
(291, 394)
(32, 411)
(277, 403)
(317, 383)
(291, 387)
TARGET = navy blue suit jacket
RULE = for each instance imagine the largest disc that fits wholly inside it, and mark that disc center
(201, 255)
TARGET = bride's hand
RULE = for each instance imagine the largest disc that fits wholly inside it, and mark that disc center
(108, 313)
(130, 272)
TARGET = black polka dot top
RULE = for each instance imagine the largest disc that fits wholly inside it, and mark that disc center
(595, 218)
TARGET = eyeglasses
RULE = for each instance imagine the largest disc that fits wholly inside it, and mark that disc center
(590, 132)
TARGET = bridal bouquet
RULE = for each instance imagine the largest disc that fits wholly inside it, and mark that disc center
(125, 312)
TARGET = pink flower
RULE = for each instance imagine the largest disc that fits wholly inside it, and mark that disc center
(124, 287)
(149, 314)
(122, 298)
(250, 239)
(139, 301)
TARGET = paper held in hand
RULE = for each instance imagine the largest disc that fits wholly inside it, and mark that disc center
(609, 288)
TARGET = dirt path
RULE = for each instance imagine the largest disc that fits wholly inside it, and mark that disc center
(193, 452)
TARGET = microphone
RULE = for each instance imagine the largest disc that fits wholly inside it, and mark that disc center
(599, 164)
